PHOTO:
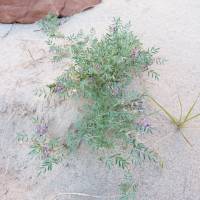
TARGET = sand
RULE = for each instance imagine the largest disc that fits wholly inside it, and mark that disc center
(25, 66)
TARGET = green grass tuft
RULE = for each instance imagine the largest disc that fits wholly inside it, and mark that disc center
(181, 121)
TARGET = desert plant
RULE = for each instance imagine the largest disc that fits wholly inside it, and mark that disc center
(181, 121)
(102, 69)
(49, 150)
(49, 25)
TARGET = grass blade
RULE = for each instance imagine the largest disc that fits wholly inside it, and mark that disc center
(190, 110)
(164, 110)
(184, 137)
(181, 107)
(193, 117)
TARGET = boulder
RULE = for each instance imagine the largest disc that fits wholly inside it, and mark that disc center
(29, 11)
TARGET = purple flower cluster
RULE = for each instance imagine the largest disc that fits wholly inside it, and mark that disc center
(41, 129)
(144, 123)
(59, 89)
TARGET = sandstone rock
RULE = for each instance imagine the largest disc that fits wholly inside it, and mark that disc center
(29, 11)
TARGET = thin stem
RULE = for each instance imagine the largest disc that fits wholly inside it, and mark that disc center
(165, 111)
(191, 109)
(181, 107)
(193, 117)
(186, 139)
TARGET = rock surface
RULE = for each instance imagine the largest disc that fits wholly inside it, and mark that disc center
(29, 11)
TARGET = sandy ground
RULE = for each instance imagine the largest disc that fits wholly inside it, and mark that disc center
(173, 26)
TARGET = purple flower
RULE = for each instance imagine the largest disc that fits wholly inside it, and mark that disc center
(41, 129)
(144, 123)
(144, 126)
(59, 89)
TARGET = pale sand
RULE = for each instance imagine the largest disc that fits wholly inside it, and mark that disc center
(171, 25)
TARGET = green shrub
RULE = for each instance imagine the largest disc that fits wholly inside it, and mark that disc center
(102, 69)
